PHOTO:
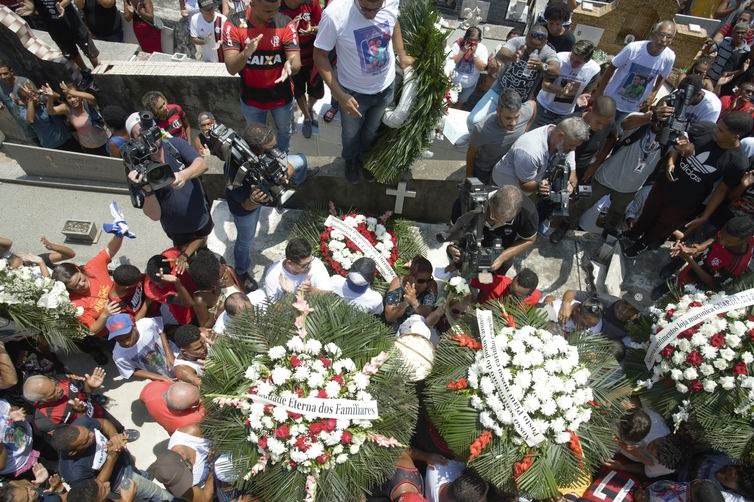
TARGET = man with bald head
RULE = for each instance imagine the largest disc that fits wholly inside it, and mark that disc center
(237, 303)
(173, 405)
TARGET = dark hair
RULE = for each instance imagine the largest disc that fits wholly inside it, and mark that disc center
(257, 135)
(6, 490)
(468, 487)
(741, 227)
(472, 30)
(126, 275)
(297, 249)
(63, 437)
(527, 278)
(65, 271)
(634, 425)
(84, 491)
(186, 335)
(509, 99)
(604, 106)
(695, 81)
(156, 265)
(702, 60)
(739, 123)
(583, 48)
(235, 303)
(670, 451)
(557, 11)
(115, 117)
(149, 99)
(204, 269)
(592, 306)
(4, 64)
(746, 480)
(538, 28)
(420, 264)
(704, 490)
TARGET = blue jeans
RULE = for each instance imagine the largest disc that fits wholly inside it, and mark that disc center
(357, 133)
(145, 489)
(246, 224)
(486, 105)
(280, 115)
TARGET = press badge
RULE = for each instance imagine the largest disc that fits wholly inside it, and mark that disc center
(640, 167)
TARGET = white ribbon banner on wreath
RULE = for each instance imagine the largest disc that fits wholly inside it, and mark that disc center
(696, 316)
(386, 271)
(323, 408)
(522, 422)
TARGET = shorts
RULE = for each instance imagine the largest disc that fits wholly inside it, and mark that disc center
(303, 85)
(181, 239)
(68, 42)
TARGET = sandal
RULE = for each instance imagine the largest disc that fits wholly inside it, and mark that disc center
(330, 113)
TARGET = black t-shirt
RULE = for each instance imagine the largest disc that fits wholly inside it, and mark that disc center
(102, 21)
(524, 225)
(590, 147)
(81, 467)
(697, 174)
(562, 43)
(69, 25)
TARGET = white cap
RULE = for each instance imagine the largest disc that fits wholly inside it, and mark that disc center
(224, 469)
(131, 121)
(416, 325)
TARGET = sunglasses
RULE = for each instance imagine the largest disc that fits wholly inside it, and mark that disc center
(538, 36)
(367, 10)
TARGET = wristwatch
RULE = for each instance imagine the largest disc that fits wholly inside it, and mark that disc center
(544, 66)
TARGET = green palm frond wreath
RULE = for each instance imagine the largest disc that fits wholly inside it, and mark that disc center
(505, 461)
(395, 150)
(361, 337)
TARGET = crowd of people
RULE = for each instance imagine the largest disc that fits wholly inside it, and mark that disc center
(545, 119)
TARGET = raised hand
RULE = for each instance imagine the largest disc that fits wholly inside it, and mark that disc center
(96, 379)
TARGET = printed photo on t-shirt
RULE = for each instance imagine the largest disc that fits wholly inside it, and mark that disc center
(372, 46)
(636, 82)
(564, 81)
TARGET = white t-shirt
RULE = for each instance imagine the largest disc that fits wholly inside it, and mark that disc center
(657, 429)
(527, 159)
(366, 63)
(439, 475)
(707, 110)
(16, 437)
(636, 74)
(467, 74)
(147, 353)
(369, 301)
(553, 309)
(200, 469)
(256, 297)
(211, 32)
(582, 76)
(317, 274)
(192, 6)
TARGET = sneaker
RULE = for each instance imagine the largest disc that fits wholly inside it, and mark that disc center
(634, 249)
(368, 175)
(306, 129)
(131, 435)
(557, 235)
(352, 172)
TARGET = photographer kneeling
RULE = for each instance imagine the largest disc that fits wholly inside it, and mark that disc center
(510, 218)
(244, 201)
(181, 206)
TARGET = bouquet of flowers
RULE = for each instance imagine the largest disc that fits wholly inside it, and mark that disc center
(39, 306)
(695, 364)
(308, 400)
(526, 408)
(340, 252)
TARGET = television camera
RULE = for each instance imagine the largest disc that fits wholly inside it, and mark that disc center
(557, 174)
(675, 126)
(137, 154)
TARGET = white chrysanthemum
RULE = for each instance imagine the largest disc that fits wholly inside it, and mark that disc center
(486, 385)
(728, 354)
(690, 374)
(747, 357)
(706, 369)
(548, 408)
(315, 380)
(301, 374)
(295, 344)
(252, 372)
(681, 388)
(530, 404)
(581, 377)
(280, 375)
(341, 459)
(361, 380)
(709, 385)
(279, 414)
(708, 351)
(727, 382)
(265, 388)
(315, 450)
(313, 346)
(333, 389)
(333, 349)
(277, 352)
(354, 449)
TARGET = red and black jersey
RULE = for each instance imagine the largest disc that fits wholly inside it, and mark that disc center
(174, 123)
(50, 416)
(309, 13)
(611, 486)
(264, 66)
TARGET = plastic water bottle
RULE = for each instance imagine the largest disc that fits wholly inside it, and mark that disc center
(529, 72)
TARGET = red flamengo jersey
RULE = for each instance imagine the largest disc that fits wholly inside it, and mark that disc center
(174, 123)
(310, 13)
(264, 66)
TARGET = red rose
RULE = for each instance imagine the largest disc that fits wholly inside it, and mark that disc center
(293, 415)
(292, 464)
(262, 442)
(301, 443)
(322, 459)
(750, 317)
(667, 352)
(669, 314)
(330, 424)
(282, 432)
(268, 408)
(717, 340)
(721, 315)
(740, 369)
(315, 428)
(658, 329)
(295, 361)
(322, 394)
(694, 358)
(339, 379)
(751, 334)
(299, 392)
(686, 334)
(346, 437)
(325, 361)
(696, 386)
(252, 390)
(695, 304)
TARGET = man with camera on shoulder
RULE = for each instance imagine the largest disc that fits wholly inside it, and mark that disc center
(178, 204)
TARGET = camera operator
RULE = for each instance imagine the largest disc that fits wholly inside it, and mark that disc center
(707, 154)
(704, 106)
(511, 217)
(244, 202)
(181, 207)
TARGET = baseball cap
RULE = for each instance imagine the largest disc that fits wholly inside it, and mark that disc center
(416, 325)
(174, 472)
(638, 298)
(119, 324)
(204, 4)
(131, 121)
(362, 271)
